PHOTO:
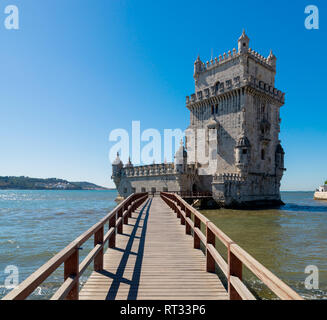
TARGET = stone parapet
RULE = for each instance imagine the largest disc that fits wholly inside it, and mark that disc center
(153, 170)
(265, 88)
(231, 55)
(233, 84)
(149, 170)
(228, 177)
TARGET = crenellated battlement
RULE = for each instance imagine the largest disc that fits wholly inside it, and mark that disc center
(233, 84)
(254, 54)
(148, 170)
(201, 67)
(230, 55)
(218, 61)
(152, 170)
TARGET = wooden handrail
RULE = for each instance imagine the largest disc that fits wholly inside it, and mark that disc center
(69, 255)
(237, 257)
(186, 194)
(196, 213)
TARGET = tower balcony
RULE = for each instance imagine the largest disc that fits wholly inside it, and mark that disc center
(233, 84)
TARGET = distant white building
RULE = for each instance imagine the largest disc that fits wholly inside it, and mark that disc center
(321, 193)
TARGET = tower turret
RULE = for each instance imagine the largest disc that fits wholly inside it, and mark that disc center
(279, 157)
(117, 165)
(272, 59)
(243, 154)
(197, 67)
(243, 43)
(129, 164)
(181, 159)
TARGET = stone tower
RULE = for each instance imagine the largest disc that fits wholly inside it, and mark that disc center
(232, 149)
(117, 166)
(236, 107)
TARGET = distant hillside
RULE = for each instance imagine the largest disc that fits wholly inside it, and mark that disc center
(88, 186)
(26, 183)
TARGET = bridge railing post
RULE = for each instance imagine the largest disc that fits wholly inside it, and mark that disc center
(188, 215)
(182, 208)
(211, 239)
(129, 208)
(196, 238)
(126, 212)
(235, 268)
(112, 224)
(120, 226)
(182, 217)
(98, 239)
(71, 269)
(177, 210)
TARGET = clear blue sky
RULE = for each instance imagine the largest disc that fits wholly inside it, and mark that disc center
(78, 69)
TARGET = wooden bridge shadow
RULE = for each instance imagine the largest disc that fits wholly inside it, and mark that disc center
(118, 277)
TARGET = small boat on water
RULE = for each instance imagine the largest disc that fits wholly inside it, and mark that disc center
(321, 193)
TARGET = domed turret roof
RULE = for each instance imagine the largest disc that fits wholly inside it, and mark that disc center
(243, 36)
(117, 160)
(181, 152)
(271, 56)
(198, 60)
(243, 142)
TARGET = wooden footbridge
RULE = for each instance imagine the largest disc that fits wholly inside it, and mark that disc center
(153, 248)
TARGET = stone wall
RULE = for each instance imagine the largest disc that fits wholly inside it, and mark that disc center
(129, 185)
(232, 142)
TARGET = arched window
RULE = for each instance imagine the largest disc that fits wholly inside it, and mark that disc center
(263, 154)
(212, 110)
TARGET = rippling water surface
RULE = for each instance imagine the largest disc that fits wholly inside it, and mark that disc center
(285, 241)
(35, 225)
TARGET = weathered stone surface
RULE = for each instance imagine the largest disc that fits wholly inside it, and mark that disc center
(232, 142)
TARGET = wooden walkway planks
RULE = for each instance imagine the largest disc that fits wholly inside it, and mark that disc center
(154, 259)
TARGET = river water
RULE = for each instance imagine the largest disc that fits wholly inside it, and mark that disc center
(35, 225)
